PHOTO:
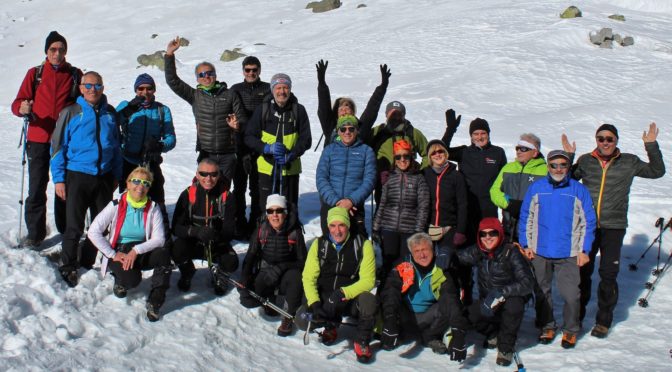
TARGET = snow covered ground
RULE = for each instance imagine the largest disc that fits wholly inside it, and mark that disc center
(515, 63)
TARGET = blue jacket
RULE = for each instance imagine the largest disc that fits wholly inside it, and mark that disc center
(557, 220)
(86, 141)
(143, 125)
(346, 172)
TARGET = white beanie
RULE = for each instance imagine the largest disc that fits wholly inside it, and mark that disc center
(276, 200)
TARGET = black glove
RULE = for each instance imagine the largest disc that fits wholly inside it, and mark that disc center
(205, 233)
(491, 302)
(457, 347)
(375, 236)
(389, 339)
(514, 208)
(334, 304)
(321, 70)
(271, 275)
(153, 145)
(385, 75)
(318, 311)
(132, 106)
(451, 121)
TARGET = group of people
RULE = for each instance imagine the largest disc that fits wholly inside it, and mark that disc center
(435, 219)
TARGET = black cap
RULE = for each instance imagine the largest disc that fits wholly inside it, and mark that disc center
(608, 127)
(479, 124)
(436, 142)
(52, 38)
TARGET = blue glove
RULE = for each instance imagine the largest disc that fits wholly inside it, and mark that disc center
(279, 160)
(491, 302)
(278, 149)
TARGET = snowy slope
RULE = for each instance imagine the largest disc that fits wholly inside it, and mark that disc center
(517, 64)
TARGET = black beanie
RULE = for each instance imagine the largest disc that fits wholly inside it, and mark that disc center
(52, 38)
(608, 127)
(479, 124)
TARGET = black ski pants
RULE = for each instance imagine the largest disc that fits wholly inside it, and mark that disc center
(363, 307)
(431, 324)
(505, 324)
(157, 259)
(608, 242)
(246, 167)
(186, 250)
(82, 191)
(393, 245)
(288, 284)
(35, 208)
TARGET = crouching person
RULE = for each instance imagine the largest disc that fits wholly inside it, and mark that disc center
(274, 260)
(418, 295)
(135, 242)
(505, 283)
(203, 223)
(340, 271)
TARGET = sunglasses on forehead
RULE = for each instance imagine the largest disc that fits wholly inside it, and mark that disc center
(209, 73)
(607, 139)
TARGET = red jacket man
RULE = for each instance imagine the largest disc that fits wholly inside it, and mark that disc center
(45, 91)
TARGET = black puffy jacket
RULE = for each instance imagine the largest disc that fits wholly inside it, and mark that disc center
(507, 270)
(404, 205)
(285, 248)
(210, 111)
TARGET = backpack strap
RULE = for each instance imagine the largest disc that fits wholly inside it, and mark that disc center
(38, 78)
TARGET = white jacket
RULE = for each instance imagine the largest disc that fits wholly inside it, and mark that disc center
(154, 232)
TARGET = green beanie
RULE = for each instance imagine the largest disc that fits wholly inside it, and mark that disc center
(338, 214)
(349, 120)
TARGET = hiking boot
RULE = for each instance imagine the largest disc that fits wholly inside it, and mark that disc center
(504, 358)
(547, 336)
(119, 290)
(153, 312)
(187, 271)
(437, 346)
(599, 331)
(490, 342)
(31, 243)
(70, 278)
(285, 328)
(329, 336)
(568, 340)
(363, 351)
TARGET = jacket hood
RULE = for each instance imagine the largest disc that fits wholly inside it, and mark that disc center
(490, 223)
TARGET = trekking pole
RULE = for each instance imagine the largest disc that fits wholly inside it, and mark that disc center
(519, 362)
(651, 286)
(318, 142)
(22, 142)
(659, 224)
(264, 301)
(660, 242)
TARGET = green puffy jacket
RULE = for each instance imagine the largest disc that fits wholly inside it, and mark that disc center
(514, 179)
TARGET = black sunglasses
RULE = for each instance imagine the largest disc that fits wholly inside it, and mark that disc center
(402, 157)
(607, 139)
(211, 174)
(206, 73)
(492, 234)
(523, 149)
(248, 70)
(275, 211)
(559, 165)
(437, 152)
(347, 129)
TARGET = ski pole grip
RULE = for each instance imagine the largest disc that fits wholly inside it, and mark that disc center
(669, 224)
(660, 221)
